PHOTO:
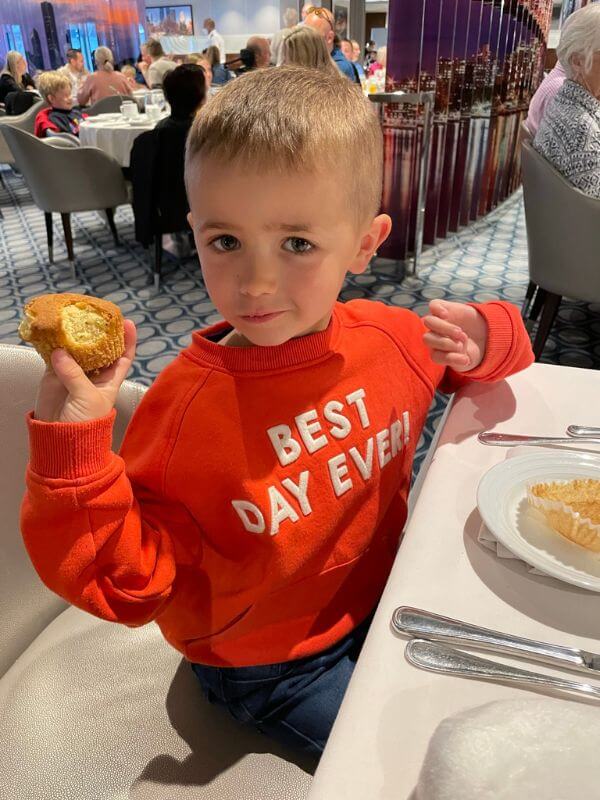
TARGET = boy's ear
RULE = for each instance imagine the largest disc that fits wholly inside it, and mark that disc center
(377, 233)
(189, 219)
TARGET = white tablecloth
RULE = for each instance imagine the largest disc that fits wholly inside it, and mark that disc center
(112, 134)
(391, 708)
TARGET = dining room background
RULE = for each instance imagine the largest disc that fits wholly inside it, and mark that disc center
(43, 31)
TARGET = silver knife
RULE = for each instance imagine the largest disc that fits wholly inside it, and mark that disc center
(582, 431)
(421, 624)
(437, 657)
(514, 439)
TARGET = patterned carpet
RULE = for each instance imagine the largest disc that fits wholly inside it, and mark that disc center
(486, 261)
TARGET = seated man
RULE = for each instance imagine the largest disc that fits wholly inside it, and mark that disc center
(56, 89)
(159, 198)
(154, 64)
(75, 71)
(261, 49)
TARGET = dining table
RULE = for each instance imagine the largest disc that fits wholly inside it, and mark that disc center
(391, 708)
(114, 134)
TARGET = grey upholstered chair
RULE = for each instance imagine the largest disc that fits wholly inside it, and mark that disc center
(63, 139)
(91, 709)
(25, 122)
(563, 238)
(64, 180)
(108, 105)
(525, 135)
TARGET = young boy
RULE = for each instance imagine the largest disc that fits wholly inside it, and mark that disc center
(129, 73)
(259, 497)
(56, 89)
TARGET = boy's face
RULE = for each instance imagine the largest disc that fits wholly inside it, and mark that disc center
(275, 248)
(61, 99)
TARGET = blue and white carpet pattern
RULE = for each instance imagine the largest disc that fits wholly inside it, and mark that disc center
(486, 261)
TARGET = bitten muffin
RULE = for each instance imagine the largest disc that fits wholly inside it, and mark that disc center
(88, 328)
(572, 508)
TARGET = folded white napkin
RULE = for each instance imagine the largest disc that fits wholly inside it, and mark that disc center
(508, 749)
(487, 538)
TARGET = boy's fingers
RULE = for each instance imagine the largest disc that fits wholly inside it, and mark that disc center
(453, 360)
(435, 342)
(68, 371)
(444, 328)
(438, 308)
(130, 338)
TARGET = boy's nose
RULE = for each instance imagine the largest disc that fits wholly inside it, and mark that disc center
(258, 278)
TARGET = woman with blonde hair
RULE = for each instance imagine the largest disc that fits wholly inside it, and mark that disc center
(104, 82)
(305, 47)
(14, 77)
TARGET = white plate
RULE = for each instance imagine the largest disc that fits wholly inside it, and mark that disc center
(502, 502)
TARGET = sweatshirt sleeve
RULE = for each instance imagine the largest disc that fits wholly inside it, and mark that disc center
(96, 537)
(508, 349)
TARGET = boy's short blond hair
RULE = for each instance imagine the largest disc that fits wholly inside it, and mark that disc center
(128, 70)
(299, 119)
(52, 82)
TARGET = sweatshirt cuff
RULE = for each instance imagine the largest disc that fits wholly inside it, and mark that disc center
(70, 450)
(500, 341)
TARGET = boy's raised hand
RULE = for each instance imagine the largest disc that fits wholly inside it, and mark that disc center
(456, 335)
(67, 394)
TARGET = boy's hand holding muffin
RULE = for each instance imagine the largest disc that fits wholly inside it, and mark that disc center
(88, 349)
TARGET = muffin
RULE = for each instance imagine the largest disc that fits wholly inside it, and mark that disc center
(572, 508)
(88, 328)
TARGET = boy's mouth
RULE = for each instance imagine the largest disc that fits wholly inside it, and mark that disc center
(261, 316)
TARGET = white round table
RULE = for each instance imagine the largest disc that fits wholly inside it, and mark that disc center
(111, 133)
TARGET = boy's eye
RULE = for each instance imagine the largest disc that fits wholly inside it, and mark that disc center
(226, 243)
(296, 245)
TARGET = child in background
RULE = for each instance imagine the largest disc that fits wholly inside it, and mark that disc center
(259, 497)
(56, 89)
(129, 73)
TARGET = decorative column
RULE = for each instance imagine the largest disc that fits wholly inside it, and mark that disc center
(483, 59)
(569, 6)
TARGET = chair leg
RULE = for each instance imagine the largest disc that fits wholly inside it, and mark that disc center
(551, 304)
(157, 259)
(66, 221)
(528, 298)
(49, 236)
(536, 307)
(110, 216)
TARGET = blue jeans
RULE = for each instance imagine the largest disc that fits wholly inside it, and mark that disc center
(294, 702)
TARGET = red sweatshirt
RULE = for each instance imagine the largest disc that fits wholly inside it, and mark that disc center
(260, 493)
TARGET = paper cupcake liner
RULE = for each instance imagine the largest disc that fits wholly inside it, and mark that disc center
(564, 519)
